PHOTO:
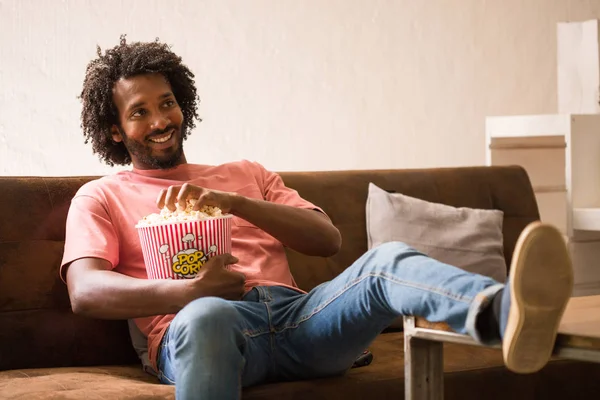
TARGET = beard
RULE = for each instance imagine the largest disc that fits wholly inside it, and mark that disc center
(145, 153)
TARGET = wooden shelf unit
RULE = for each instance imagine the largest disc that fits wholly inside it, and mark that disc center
(561, 154)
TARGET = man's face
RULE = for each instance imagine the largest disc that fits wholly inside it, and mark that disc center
(150, 121)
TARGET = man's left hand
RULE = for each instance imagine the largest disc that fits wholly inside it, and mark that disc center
(175, 196)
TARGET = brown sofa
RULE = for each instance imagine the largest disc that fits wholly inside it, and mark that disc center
(47, 352)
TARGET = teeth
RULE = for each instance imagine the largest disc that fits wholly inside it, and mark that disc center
(162, 139)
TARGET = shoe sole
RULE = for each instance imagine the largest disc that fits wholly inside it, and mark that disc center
(541, 282)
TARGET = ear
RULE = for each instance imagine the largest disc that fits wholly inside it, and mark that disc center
(116, 134)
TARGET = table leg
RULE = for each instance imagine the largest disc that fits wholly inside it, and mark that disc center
(423, 368)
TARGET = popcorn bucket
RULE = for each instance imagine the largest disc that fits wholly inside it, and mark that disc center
(178, 250)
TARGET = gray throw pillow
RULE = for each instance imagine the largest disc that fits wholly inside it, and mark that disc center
(470, 239)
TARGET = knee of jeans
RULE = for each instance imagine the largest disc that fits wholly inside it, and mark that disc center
(207, 316)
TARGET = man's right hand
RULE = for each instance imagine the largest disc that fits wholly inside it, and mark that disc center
(216, 280)
(98, 292)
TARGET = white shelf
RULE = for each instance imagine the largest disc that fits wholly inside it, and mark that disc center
(527, 125)
(586, 219)
(561, 154)
(557, 151)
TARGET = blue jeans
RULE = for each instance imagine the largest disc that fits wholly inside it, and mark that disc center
(214, 347)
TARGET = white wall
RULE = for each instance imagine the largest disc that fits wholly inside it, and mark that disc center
(294, 84)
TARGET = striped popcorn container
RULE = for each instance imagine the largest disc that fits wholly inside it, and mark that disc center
(178, 250)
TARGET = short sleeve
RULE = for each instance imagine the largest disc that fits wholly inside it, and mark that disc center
(89, 232)
(275, 191)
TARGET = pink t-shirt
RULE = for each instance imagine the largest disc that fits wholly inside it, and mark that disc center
(103, 214)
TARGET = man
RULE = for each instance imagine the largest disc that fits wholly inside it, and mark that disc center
(248, 323)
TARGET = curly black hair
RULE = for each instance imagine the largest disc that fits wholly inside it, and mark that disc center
(125, 60)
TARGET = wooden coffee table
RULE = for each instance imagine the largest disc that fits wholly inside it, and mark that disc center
(578, 339)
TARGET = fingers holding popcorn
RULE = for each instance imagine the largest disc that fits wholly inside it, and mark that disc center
(194, 198)
(188, 192)
(177, 197)
(165, 196)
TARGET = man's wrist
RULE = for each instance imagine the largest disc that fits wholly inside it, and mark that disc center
(237, 203)
(178, 293)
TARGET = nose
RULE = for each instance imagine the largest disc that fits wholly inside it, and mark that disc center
(160, 121)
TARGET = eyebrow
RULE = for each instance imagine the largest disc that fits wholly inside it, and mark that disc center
(141, 103)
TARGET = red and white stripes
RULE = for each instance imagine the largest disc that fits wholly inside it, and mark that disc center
(161, 243)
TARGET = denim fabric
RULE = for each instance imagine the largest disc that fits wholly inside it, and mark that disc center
(214, 347)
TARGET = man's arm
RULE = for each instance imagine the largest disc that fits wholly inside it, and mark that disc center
(96, 291)
(308, 231)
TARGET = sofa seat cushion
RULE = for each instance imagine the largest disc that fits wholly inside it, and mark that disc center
(383, 379)
(469, 372)
(74, 383)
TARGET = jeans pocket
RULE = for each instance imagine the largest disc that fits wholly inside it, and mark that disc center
(163, 362)
(164, 379)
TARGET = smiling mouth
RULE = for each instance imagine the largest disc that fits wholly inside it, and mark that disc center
(163, 138)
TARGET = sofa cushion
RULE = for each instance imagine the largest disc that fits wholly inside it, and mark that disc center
(343, 194)
(75, 383)
(470, 373)
(468, 238)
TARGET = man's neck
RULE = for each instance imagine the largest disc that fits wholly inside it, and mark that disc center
(182, 160)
